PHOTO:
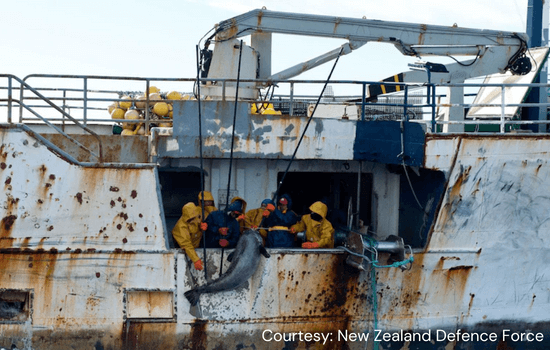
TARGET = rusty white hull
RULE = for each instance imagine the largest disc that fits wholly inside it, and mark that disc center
(86, 261)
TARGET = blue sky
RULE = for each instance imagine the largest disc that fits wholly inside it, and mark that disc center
(158, 38)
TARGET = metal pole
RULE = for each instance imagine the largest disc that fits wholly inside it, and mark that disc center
(147, 106)
(363, 101)
(432, 103)
(291, 108)
(85, 101)
(9, 100)
(502, 109)
(201, 196)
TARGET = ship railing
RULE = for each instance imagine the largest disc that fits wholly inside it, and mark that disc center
(23, 86)
(85, 100)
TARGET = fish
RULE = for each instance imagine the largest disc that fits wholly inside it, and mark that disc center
(244, 261)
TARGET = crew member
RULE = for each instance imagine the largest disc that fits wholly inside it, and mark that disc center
(254, 217)
(222, 229)
(319, 231)
(208, 203)
(241, 219)
(188, 234)
(279, 223)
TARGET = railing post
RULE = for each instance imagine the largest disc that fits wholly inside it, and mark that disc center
(291, 107)
(503, 109)
(85, 116)
(223, 89)
(405, 103)
(64, 109)
(147, 106)
(363, 101)
(9, 100)
(432, 104)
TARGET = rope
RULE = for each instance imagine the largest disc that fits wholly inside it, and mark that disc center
(200, 155)
(307, 125)
(232, 144)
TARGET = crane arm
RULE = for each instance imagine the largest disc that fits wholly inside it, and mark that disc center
(410, 38)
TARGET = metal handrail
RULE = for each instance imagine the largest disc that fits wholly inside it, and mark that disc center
(53, 105)
(431, 103)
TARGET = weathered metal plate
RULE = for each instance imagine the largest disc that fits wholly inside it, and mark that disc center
(256, 136)
(48, 203)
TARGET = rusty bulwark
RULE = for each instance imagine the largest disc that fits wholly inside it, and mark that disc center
(49, 203)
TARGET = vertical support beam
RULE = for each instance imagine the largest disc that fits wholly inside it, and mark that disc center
(455, 112)
(385, 206)
(534, 31)
(261, 42)
(10, 99)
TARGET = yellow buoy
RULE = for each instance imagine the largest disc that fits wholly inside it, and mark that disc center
(111, 107)
(127, 132)
(141, 101)
(140, 129)
(174, 95)
(170, 111)
(161, 109)
(117, 113)
(127, 103)
(131, 114)
(154, 98)
(153, 90)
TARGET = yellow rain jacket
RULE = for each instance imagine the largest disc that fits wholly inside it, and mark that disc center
(207, 210)
(254, 219)
(187, 230)
(320, 232)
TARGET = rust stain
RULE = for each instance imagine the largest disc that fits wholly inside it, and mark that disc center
(6, 225)
(198, 335)
(133, 194)
(3, 166)
(79, 197)
(404, 304)
(114, 189)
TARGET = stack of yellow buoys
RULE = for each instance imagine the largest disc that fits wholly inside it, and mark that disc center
(132, 107)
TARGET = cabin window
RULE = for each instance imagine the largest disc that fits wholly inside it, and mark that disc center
(338, 190)
(15, 306)
(149, 304)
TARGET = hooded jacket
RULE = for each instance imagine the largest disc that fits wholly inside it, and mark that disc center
(207, 197)
(187, 230)
(254, 218)
(241, 219)
(281, 238)
(216, 220)
(322, 231)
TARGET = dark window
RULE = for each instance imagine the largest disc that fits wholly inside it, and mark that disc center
(177, 189)
(14, 306)
(337, 190)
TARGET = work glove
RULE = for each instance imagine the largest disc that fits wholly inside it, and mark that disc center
(310, 245)
(223, 231)
(224, 242)
(198, 265)
(204, 226)
(241, 217)
(254, 227)
(293, 230)
(268, 209)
